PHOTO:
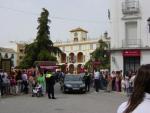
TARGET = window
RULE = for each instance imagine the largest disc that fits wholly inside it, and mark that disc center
(131, 33)
(20, 57)
(79, 47)
(6, 55)
(21, 50)
(63, 48)
(91, 46)
(71, 48)
(75, 34)
(76, 39)
(12, 55)
(12, 63)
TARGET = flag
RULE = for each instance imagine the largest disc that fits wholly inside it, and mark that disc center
(108, 14)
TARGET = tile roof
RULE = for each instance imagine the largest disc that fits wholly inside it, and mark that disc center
(78, 29)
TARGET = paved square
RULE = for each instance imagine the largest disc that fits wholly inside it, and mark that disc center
(92, 102)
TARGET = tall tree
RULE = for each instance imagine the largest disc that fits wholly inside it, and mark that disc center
(101, 56)
(42, 48)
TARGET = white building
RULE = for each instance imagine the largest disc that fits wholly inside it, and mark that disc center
(77, 50)
(130, 34)
(8, 53)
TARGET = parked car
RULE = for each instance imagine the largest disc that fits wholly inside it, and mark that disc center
(73, 83)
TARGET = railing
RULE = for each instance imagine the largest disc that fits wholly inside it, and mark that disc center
(70, 41)
(131, 43)
(130, 7)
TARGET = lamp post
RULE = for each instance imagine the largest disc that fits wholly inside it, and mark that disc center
(148, 30)
(148, 22)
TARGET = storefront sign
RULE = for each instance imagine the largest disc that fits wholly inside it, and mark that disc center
(130, 53)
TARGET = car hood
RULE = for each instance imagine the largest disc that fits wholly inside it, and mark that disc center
(73, 82)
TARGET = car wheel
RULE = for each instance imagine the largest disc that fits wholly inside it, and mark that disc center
(83, 92)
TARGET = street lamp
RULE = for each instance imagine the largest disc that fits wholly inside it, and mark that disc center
(148, 22)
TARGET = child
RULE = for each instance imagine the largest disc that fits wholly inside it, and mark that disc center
(37, 90)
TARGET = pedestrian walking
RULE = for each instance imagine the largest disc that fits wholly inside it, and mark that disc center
(139, 101)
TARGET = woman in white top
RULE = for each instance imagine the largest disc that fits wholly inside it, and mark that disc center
(139, 102)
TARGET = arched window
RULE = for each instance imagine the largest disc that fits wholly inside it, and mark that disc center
(6, 55)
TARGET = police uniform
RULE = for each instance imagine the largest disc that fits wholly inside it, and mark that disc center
(50, 82)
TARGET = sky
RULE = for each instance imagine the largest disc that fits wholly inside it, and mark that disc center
(18, 19)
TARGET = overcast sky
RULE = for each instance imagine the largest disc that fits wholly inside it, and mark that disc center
(18, 18)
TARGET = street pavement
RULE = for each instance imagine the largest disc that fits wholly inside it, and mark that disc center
(92, 102)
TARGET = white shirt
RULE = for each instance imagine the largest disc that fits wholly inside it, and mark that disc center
(144, 107)
(96, 75)
(132, 80)
(123, 83)
(24, 76)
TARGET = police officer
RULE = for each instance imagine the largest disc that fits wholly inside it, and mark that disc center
(87, 79)
(50, 82)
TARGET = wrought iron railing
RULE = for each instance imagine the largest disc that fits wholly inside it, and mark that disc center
(131, 43)
(130, 7)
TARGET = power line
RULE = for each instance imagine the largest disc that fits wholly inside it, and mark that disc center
(54, 17)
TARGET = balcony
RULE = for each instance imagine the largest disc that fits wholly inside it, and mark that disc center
(127, 43)
(130, 7)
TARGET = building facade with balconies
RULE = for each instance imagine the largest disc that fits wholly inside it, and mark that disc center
(130, 36)
(8, 54)
(76, 51)
(20, 52)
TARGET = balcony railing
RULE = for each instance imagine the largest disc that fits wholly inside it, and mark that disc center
(130, 7)
(131, 43)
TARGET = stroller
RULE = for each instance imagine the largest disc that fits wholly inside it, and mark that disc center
(37, 91)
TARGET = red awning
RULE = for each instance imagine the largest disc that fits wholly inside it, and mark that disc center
(49, 67)
(131, 53)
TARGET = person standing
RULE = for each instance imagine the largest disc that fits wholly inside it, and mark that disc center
(41, 81)
(113, 75)
(87, 79)
(97, 80)
(50, 82)
(25, 82)
(1, 83)
(109, 85)
(19, 82)
(123, 85)
(139, 101)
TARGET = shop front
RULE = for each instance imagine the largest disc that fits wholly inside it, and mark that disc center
(131, 60)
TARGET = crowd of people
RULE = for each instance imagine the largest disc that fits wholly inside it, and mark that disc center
(36, 83)
(28, 82)
(133, 84)
(115, 81)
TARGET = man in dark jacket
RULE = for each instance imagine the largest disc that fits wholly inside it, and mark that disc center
(1, 81)
(50, 82)
(87, 79)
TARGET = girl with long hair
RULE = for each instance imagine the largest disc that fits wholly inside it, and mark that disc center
(139, 101)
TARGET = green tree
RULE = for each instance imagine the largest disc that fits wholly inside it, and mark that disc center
(42, 48)
(101, 54)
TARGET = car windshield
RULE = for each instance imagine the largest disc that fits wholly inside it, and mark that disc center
(73, 78)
